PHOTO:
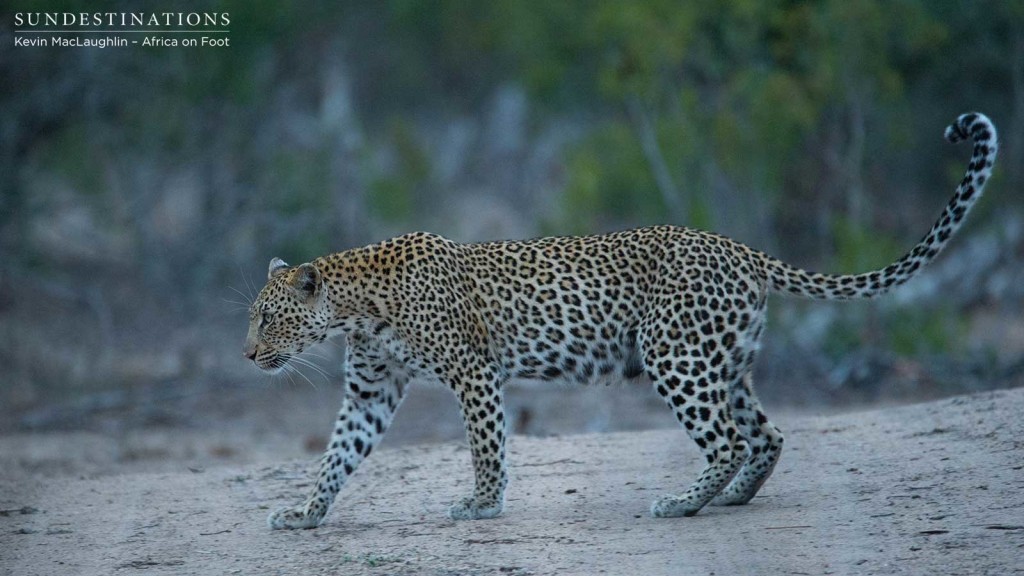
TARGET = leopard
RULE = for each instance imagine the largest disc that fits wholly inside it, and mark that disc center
(680, 308)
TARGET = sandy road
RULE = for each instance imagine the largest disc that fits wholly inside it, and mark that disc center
(934, 488)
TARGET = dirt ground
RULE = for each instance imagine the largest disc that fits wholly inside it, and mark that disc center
(934, 488)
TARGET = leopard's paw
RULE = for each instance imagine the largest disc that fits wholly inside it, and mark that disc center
(294, 517)
(675, 506)
(734, 495)
(471, 509)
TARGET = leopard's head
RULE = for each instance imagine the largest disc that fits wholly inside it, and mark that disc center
(291, 313)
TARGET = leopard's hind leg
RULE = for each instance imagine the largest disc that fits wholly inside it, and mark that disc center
(765, 442)
(690, 369)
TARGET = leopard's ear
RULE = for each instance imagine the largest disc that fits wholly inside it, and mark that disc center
(277, 266)
(305, 279)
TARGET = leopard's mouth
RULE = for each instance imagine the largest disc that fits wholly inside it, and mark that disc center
(273, 364)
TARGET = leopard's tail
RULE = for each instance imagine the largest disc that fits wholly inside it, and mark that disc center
(782, 277)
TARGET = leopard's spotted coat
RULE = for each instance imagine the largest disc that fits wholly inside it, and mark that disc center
(682, 307)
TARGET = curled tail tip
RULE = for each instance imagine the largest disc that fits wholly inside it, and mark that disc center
(973, 125)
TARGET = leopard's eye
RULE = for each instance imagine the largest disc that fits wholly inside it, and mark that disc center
(266, 319)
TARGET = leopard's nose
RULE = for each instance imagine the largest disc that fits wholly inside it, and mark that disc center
(249, 353)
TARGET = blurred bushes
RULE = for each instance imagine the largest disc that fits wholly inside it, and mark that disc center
(812, 129)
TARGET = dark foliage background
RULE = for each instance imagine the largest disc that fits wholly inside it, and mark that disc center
(144, 190)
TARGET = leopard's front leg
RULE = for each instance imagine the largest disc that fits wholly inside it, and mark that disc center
(484, 417)
(375, 386)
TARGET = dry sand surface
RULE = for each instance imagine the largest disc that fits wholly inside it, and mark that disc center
(934, 488)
